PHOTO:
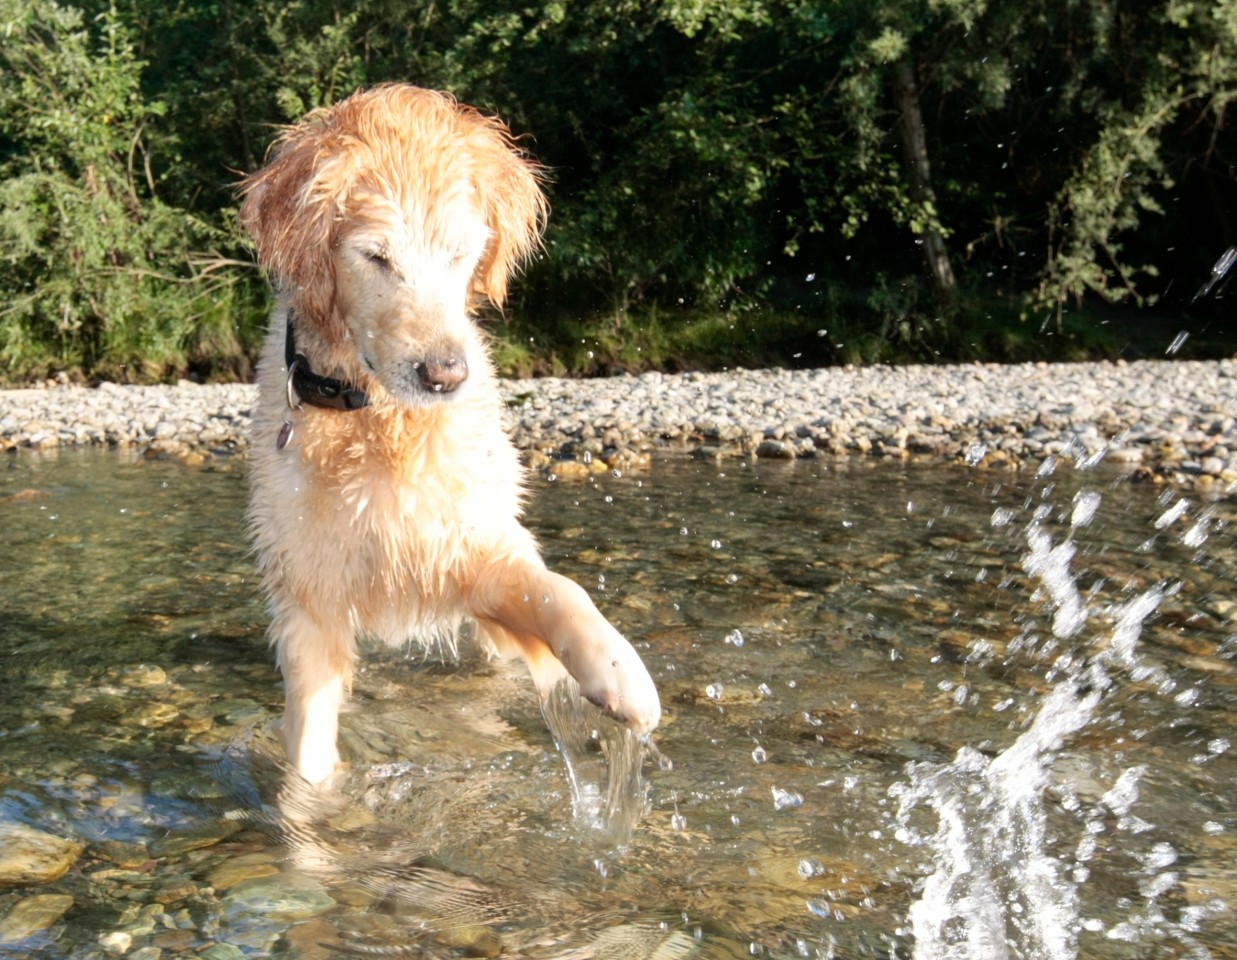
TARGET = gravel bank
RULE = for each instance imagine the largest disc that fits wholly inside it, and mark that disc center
(1169, 421)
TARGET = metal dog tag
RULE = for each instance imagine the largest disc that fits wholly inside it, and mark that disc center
(285, 434)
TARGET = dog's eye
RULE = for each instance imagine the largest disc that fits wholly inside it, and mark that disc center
(379, 259)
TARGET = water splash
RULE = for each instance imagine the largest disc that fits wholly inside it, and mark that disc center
(994, 882)
(603, 760)
(995, 889)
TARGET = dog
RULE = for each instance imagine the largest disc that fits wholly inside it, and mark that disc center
(386, 493)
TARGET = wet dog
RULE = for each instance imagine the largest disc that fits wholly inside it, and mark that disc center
(386, 493)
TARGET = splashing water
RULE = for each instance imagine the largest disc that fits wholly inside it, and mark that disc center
(997, 889)
(1069, 797)
(608, 791)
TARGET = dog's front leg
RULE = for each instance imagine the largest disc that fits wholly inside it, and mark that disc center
(316, 663)
(533, 604)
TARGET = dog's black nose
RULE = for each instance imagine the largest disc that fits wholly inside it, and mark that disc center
(442, 374)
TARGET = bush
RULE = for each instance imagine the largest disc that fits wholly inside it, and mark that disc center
(97, 272)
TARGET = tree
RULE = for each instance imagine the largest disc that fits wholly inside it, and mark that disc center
(1165, 121)
(96, 270)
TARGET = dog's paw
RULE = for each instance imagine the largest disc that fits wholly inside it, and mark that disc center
(317, 766)
(612, 676)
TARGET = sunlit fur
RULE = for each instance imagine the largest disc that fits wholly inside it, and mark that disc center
(385, 221)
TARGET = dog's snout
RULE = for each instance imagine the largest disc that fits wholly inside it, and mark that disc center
(442, 374)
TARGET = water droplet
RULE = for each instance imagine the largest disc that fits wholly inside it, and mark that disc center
(1196, 536)
(976, 452)
(1161, 855)
(678, 821)
(735, 637)
(786, 799)
(732, 578)
(1086, 503)
(810, 867)
(682, 531)
(1178, 342)
(714, 691)
(587, 458)
(715, 544)
(759, 755)
(819, 907)
(1001, 517)
(1172, 514)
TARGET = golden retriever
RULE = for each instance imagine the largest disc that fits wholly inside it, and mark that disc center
(386, 493)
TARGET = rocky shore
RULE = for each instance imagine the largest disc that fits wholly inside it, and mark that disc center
(1166, 420)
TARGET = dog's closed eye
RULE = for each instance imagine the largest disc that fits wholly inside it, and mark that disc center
(379, 258)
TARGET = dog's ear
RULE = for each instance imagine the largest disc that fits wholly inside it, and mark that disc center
(515, 209)
(290, 211)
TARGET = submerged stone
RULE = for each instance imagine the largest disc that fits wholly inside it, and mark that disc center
(238, 869)
(285, 896)
(222, 951)
(33, 915)
(121, 853)
(471, 941)
(31, 856)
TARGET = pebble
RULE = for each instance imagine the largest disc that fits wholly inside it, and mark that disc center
(284, 896)
(117, 942)
(32, 915)
(246, 867)
(222, 951)
(1169, 421)
(31, 856)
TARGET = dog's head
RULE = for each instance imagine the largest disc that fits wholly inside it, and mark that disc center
(386, 220)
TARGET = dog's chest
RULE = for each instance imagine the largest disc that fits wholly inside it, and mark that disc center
(450, 478)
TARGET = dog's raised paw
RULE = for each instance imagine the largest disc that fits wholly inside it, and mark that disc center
(616, 681)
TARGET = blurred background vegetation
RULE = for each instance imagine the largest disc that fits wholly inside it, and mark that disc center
(734, 182)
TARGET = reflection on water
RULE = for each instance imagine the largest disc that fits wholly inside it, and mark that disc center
(911, 711)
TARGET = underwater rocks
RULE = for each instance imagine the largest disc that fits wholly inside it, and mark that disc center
(30, 856)
(1172, 421)
(32, 915)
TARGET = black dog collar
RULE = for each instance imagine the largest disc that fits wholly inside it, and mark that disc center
(318, 391)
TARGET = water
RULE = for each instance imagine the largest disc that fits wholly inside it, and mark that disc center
(909, 712)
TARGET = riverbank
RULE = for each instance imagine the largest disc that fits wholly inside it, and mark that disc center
(1168, 421)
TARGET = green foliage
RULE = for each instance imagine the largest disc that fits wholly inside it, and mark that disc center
(705, 158)
(1190, 74)
(97, 272)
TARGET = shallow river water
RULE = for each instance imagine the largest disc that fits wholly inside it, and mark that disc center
(910, 711)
